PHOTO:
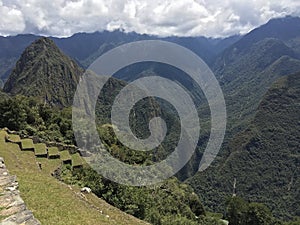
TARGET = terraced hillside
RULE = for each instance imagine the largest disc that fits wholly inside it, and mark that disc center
(51, 201)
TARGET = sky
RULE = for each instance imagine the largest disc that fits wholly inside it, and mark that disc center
(210, 18)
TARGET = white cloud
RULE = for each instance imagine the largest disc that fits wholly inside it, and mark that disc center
(159, 17)
(12, 21)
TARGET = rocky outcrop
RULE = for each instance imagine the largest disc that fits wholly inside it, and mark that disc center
(12, 207)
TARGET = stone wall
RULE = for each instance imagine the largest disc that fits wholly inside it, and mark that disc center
(12, 207)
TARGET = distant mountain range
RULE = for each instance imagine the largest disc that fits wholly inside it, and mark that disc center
(86, 47)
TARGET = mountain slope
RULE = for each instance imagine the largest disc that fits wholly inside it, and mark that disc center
(286, 29)
(3, 95)
(248, 67)
(44, 71)
(264, 158)
(52, 201)
(10, 50)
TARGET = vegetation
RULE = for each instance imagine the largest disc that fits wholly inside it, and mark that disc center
(3, 95)
(30, 77)
(240, 212)
(53, 152)
(27, 144)
(51, 201)
(264, 159)
(40, 149)
(76, 160)
(65, 155)
(29, 115)
(14, 138)
(167, 203)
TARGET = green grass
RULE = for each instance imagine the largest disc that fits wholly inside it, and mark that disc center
(40, 149)
(3, 134)
(53, 152)
(65, 155)
(76, 160)
(54, 202)
(14, 138)
(27, 144)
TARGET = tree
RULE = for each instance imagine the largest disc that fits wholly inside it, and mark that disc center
(258, 214)
(236, 211)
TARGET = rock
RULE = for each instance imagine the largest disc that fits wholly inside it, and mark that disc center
(23, 217)
(6, 180)
(11, 203)
(86, 190)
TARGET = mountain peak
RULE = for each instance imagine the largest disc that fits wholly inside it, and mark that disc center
(45, 72)
(42, 45)
(44, 41)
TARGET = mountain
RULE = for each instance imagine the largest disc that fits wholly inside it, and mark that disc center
(44, 71)
(84, 48)
(286, 29)
(3, 95)
(247, 68)
(10, 50)
(264, 158)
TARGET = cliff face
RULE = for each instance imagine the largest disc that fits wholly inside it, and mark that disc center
(12, 207)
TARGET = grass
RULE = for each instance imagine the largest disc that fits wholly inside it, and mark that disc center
(27, 144)
(53, 202)
(14, 138)
(3, 134)
(40, 149)
(65, 155)
(76, 160)
(53, 152)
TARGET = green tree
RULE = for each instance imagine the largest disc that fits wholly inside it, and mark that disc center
(258, 214)
(236, 211)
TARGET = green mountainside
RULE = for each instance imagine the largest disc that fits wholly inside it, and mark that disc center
(264, 159)
(246, 74)
(11, 49)
(45, 72)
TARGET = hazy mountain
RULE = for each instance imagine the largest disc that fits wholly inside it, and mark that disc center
(84, 48)
(44, 71)
(286, 29)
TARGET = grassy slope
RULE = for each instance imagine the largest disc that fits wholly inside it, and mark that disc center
(51, 201)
